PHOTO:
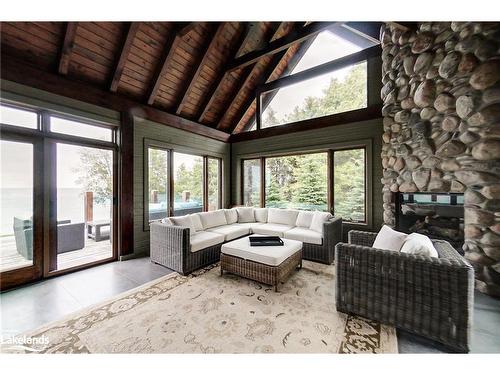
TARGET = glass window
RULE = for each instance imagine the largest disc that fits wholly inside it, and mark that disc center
(297, 181)
(214, 184)
(349, 184)
(18, 117)
(16, 205)
(327, 46)
(158, 184)
(79, 129)
(251, 182)
(188, 184)
(334, 92)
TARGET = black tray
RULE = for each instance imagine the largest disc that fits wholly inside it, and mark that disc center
(266, 241)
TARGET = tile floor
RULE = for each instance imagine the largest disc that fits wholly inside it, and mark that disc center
(28, 307)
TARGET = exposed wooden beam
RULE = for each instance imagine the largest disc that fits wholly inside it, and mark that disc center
(210, 97)
(171, 44)
(265, 76)
(213, 38)
(292, 63)
(127, 44)
(358, 115)
(280, 44)
(185, 28)
(247, 75)
(367, 30)
(67, 47)
(14, 69)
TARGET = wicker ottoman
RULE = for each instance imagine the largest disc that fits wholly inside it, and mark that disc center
(266, 264)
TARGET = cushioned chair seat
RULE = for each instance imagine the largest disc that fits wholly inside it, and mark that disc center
(271, 229)
(304, 235)
(202, 240)
(231, 232)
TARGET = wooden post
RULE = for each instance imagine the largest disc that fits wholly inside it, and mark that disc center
(89, 206)
(154, 196)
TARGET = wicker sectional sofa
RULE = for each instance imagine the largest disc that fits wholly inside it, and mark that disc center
(431, 297)
(185, 248)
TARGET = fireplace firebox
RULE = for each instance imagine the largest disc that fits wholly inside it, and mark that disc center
(437, 215)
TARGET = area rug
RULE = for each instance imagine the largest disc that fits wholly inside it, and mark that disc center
(209, 313)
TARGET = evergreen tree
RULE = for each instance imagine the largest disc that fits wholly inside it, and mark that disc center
(311, 183)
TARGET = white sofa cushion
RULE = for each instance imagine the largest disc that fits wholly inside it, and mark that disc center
(271, 229)
(195, 218)
(260, 215)
(318, 219)
(231, 215)
(249, 226)
(231, 231)
(304, 235)
(184, 221)
(245, 215)
(202, 240)
(389, 239)
(304, 219)
(270, 255)
(213, 219)
(419, 244)
(282, 216)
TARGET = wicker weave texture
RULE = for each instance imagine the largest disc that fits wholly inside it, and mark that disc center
(432, 297)
(170, 247)
(263, 273)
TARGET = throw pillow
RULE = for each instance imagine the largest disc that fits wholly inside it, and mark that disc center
(304, 219)
(198, 226)
(184, 221)
(418, 244)
(318, 219)
(231, 215)
(389, 239)
(282, 216)
(245, 215)
(261, 215)
(213, 219)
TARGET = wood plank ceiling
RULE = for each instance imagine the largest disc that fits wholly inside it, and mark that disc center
(202, 71)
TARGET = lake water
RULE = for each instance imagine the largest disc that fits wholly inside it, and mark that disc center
(18, 202)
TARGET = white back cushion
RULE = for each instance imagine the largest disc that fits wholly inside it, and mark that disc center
(282, 216)
(389, 239)
(304, 219)
(245, 215)
(184, 221)
(419, 244)
(318, 219)
(261, 215)
(198, 226)
(213, 219)
(231, 215)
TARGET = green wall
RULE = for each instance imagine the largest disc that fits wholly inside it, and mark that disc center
(176, 139)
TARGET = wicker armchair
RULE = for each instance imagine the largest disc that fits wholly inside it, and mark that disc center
(431, 297)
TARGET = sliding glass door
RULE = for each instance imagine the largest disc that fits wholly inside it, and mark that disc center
(84, 201)
(57, 194)
(21, 211)
(188, 184)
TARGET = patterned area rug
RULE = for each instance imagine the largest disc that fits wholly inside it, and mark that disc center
(207, 313)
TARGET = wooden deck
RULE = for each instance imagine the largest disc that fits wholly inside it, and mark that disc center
(93, 251)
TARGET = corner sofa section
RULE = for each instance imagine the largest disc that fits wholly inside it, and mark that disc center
(190, 242)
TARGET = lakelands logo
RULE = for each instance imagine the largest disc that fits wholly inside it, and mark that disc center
(23, 343)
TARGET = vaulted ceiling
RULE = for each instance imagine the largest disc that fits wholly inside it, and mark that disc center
(206, 72)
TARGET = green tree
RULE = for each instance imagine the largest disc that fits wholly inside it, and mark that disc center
(270, 118)
(96, 173)
(311, 181)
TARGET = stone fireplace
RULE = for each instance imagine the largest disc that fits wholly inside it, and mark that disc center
(441, 94)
